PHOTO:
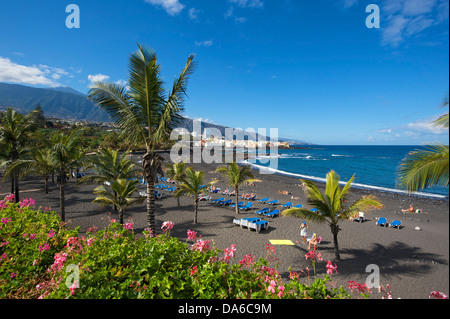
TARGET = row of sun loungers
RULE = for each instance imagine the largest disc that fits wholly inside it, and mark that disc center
(383, 222)
(252, 223)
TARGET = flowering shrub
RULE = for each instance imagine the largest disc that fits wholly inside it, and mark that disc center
(29, 240)
(37, 251)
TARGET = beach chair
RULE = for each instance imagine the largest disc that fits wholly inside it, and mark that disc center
(298, 206)
(273, 213)
(273, 202)
(258, 226)
(381, 222)
(215, 201)
(396, 224)
(248, 206)
(239, 204)
(263, 211)
(171, 189)
(158, 195)
(314, 210)
(245, 221)
(287, 205)
(159, 185)
(263, 200)
(360, 218)
(226, 202)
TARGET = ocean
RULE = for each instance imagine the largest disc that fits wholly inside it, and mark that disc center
(374, 167)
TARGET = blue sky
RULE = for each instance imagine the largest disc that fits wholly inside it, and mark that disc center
(312, 69)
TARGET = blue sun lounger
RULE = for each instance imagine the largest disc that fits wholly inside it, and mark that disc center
(258, 226)
(298, 206)
(215, 201)
(314, 210)
(171, 189)
(263, 211)
(382, 222)
(273, 213)
(287, 205)
(263, 200)
(396, 223)
(273, 202)
(245, 221)
(248, 206)
(239, 204)
(225, 202)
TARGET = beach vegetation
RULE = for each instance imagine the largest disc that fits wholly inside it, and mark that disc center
(235, 175)
(65, 153)
(332, 205)
(120, 195)
(15, 137)
(193, 185)
(39, 256)
(177, 173)
(427, 167)
(143, 112)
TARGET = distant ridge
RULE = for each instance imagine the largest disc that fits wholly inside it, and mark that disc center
(67, 103)
(63, 102)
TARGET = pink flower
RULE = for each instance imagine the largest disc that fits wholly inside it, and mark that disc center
(230, 252)
(330, 267)
(193, 270)
(201, 245)
(313, 255)
(58, 264)
(51, 233)
(362, 288)
(438, 295)
(9, 198)
(280, 291)
(148, 232)
(3, 204)
(90, 241)
(45, 247)
(166, 226)
(192, 235)
(27, 202)
(6, 220)
(128, 226)
(33, 236)
(13, 275)
(73, 287)
(271, 287)
(247, 260)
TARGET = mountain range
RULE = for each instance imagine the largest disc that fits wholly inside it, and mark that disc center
(67, 103)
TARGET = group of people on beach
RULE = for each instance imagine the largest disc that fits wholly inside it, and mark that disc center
(313, 241)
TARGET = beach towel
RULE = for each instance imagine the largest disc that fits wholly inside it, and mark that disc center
(285, 242)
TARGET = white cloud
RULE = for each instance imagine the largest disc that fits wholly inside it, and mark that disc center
(34, 75)
(172, 7)
(350, 3)
(97, 78)
(193, 13)
(405, 18)
(206, 43)
(248, 3)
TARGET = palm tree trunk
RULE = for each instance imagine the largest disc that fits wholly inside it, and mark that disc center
(121, 216)
(195, 210)
(61, 196)
(151, 203)
(236, 191)
(16, 187)
(46, 184)
(335, 231)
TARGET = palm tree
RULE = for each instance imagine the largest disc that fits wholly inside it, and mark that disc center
(64, 152)
(41, 164)
(15, 135)
(235, 176)
(176, 172)
(428, 167)
(143, 113)
(120, 197)
(192, 185)
(108, 165)
(332, 206)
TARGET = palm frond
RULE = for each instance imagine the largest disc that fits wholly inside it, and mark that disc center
(425, 168)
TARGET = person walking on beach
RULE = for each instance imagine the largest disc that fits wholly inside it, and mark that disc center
(304, 231)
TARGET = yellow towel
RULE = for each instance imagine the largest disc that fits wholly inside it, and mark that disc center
(281, 242)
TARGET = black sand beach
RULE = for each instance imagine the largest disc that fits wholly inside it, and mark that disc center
(413, 262)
